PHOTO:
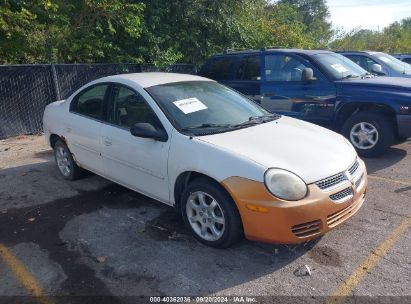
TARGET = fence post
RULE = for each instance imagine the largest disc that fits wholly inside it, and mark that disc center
(54, 75)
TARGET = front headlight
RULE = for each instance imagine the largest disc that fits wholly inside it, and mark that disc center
(285, 185)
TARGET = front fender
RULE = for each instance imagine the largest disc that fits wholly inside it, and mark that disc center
(195, 155)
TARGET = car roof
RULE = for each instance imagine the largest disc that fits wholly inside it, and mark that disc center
(149, 79)
(299, 51)
(359, 52)
(273, 50)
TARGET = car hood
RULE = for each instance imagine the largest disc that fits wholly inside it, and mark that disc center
(310, 151)
(383, 81)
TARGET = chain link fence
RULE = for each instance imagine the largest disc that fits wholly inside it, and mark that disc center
(25, 90)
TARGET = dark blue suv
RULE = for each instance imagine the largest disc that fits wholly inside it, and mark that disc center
(321, 87)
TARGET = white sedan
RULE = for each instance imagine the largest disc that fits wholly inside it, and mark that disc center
(230, 167)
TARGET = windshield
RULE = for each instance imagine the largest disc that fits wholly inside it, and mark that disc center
(338, 66)
(394, 63)
(199, 107)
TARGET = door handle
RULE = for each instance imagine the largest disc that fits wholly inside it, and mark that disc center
(107, 141)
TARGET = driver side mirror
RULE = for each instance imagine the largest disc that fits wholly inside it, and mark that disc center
(146, 130)
(377, 69)
(308, 75)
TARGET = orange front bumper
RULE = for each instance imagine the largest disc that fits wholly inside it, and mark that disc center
(269, 219)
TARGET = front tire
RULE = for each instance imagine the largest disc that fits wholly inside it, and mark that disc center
(65, 162)
(370, 133)
(211, 214)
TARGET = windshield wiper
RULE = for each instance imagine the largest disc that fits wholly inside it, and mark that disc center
(350, 76)
(254, 120)
(367, 75)
(265, 117)
(205, 126)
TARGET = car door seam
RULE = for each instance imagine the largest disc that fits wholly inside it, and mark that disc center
(139, 168)
(86, 148)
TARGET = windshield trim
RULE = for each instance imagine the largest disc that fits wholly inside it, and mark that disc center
(209, 131)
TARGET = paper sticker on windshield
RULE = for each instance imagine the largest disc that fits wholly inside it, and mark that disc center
(339, 68)
(190, 105)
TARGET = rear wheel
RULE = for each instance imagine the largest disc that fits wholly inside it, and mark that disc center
(211, 214)
(370, 133)
(65, 162)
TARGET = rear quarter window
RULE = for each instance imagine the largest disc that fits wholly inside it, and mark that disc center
(249, 68)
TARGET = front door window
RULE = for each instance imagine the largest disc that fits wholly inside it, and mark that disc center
(128, 108)
(283, 68)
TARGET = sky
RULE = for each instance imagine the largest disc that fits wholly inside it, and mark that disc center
(367, 14)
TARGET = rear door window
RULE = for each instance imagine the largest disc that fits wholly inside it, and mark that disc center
(89, 102)
(219, 68)
(280, 67)
(249, 68)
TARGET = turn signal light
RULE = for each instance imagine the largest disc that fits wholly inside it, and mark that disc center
(257, 208)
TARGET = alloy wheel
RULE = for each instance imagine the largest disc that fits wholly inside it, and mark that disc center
(63, 161)
(364, 135)
(205, 216)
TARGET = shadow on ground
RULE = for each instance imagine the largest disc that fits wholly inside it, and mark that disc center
(111, 240)
(392, 156)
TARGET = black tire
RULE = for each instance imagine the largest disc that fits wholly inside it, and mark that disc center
(233, 230)
(75, 172)
(382, 124)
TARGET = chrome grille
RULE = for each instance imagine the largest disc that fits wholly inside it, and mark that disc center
(343, 195)
(331, 181)
(354, 167)
(334, 181)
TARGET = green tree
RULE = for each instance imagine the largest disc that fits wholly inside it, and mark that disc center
(395, 38)
(97, 30)
(76, 31)
(191, 30)
(21, 35)
(358, 39)
(314, 14)
(284, 27)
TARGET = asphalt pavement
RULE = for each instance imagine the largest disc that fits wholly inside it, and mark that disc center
(95, 238)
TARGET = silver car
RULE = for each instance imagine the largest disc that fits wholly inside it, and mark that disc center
(403, 57)
(380, 63)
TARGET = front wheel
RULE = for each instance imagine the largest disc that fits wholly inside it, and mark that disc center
(211, 214)
(370, 133)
